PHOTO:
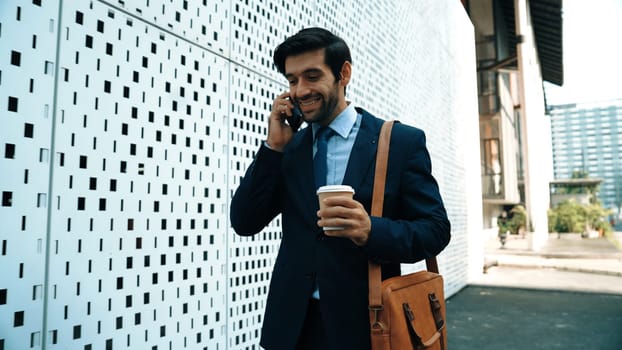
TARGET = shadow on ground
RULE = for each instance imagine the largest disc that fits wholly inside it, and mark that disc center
(482, 317)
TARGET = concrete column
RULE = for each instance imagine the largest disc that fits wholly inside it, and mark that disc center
(535, 129)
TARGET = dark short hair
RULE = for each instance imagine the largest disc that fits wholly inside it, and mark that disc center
(336, 51)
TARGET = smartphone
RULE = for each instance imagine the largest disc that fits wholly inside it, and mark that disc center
(295, 120)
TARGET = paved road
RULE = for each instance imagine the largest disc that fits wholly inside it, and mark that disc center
(485, 317)
(567, 296)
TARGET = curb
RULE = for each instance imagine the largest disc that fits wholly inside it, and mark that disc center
(497, 263)
(544, 255)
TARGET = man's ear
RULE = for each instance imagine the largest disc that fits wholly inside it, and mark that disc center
(346, 73)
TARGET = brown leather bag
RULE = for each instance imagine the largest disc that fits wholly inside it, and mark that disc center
(405, 312)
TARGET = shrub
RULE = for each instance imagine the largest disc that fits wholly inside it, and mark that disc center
(570, 216)
(518, 219)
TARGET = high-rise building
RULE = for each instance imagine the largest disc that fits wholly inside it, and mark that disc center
(587, 137)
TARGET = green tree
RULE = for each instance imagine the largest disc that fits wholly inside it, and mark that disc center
(580, 188)
(596, 217)
(579, 174)
(570, 216)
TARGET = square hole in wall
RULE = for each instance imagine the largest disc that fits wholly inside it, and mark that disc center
(16, 58)
(79, 17)
(83, 162)
(28, 130)
(81, 203)
(18, 319)
(12, 104)
(7, 198)
(77, 332)
(9, 150)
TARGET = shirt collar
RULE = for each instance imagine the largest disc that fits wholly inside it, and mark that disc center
(343, 123)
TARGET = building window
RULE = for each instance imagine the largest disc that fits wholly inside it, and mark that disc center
(492, 172)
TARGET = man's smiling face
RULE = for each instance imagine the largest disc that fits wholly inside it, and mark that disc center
(314, 87)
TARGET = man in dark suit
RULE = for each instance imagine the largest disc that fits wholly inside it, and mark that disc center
(318, 296)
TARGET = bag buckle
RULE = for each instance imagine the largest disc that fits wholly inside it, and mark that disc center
(435, 305)
(376, 325)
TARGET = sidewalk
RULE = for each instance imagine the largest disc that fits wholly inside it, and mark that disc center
(589, 264)
(567, 252)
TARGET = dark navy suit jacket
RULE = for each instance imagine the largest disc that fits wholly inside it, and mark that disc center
(414, 226)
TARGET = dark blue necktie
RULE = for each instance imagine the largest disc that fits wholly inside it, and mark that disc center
(319, 161)
(319, 171)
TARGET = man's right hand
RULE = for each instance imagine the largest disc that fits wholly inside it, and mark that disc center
(279, 132)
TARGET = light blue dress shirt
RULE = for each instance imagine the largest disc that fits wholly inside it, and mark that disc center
(345, 127)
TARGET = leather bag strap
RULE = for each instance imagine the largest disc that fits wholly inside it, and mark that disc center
(374, 274)
(382, 158)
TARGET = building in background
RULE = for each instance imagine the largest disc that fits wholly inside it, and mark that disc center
(587, 138)
(127, 125)
(519, 45)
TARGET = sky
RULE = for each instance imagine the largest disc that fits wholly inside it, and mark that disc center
(592, 50)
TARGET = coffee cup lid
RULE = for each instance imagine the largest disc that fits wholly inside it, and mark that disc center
(335, 188)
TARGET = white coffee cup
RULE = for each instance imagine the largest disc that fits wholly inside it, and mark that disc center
(331, 191)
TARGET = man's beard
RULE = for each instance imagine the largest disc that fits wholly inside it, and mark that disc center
(327, 108)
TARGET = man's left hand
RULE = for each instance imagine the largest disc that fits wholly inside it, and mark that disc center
(347, 214)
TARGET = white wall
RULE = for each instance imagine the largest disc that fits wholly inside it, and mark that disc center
(127, 125)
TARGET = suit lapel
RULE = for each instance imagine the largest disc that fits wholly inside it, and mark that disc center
(299, 172)
(364, 151)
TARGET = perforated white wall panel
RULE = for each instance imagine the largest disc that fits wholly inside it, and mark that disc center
(125, 127)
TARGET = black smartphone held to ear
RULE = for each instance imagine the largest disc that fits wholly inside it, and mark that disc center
(295, 120)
